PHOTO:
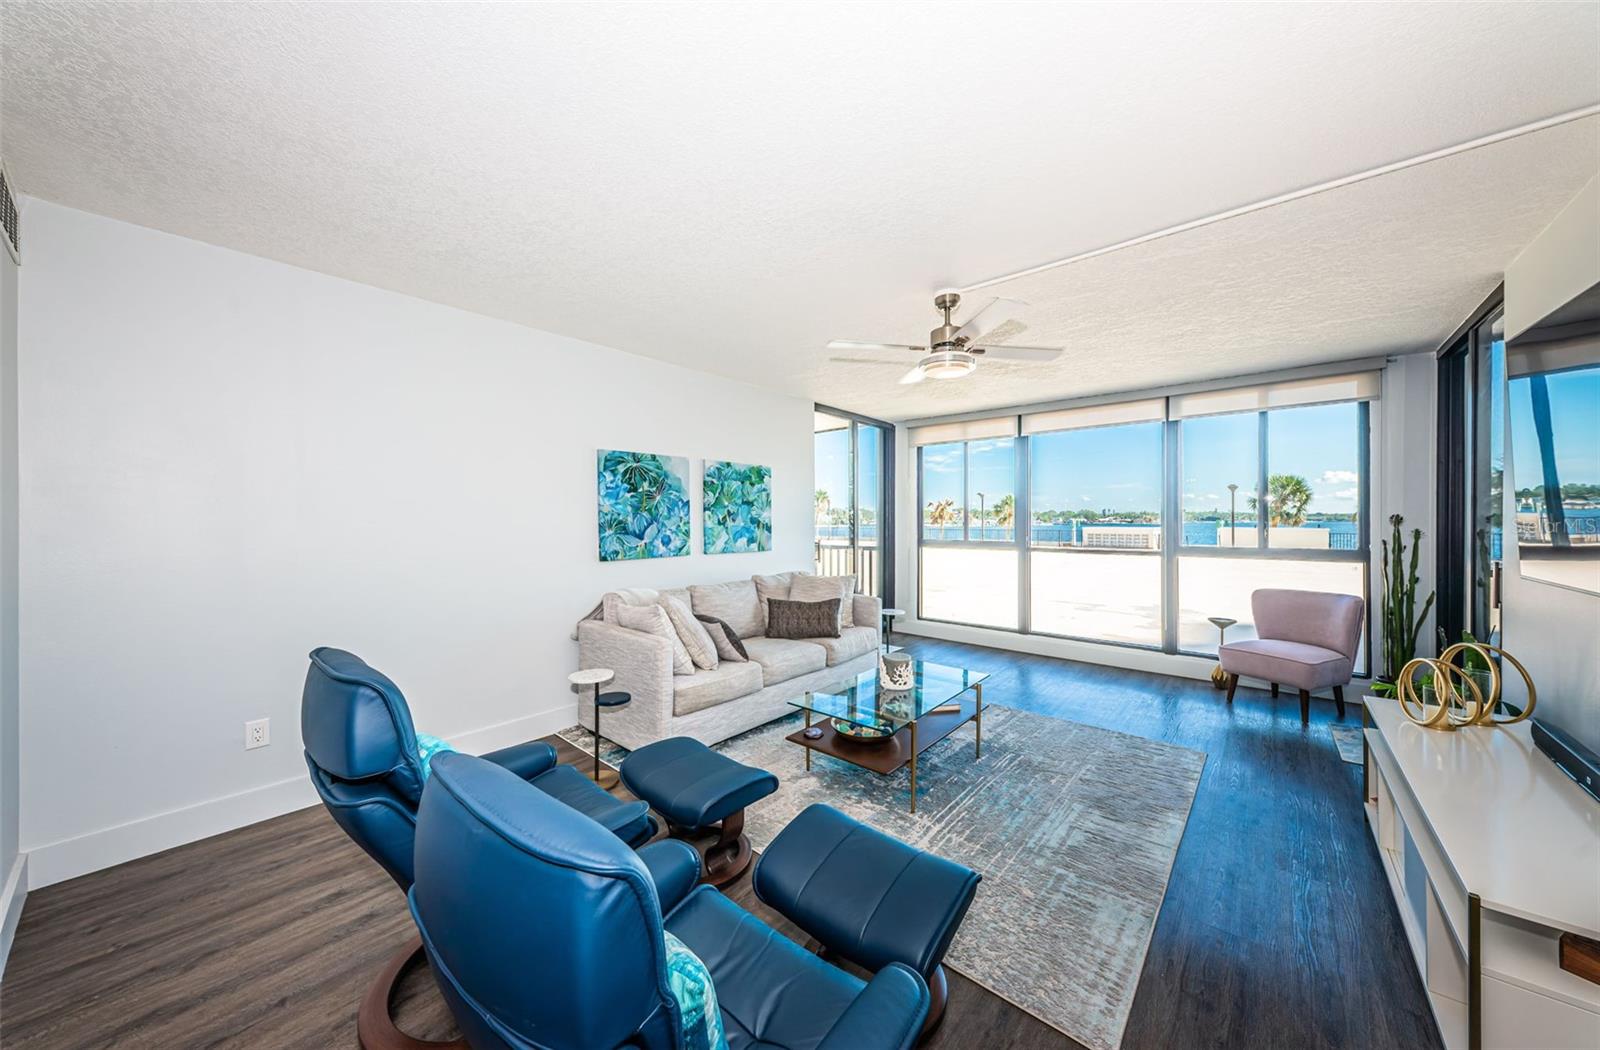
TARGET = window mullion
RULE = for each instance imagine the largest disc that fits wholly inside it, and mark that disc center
(1261, 482)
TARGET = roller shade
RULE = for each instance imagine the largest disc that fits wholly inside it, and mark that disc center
(965, 430)
(1149, 410)
(1356, 386)
(1581, 349)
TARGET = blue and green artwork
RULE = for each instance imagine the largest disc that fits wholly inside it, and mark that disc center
(738, 502)
(644, 505)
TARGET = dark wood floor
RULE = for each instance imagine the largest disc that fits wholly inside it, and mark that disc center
(1278, 930)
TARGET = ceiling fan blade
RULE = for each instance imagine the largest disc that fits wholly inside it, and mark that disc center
(913, 376)
(1020, 353)
(990, 316)
(851, 344)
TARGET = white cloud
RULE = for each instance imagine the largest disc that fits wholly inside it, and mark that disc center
(1337, 477)
(1346, 494)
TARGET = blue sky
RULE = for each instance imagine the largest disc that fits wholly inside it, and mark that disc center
(833, 466)
(1575, 418)
(1119, 468)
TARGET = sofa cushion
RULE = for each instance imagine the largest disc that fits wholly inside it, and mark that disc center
(725, 638)
(801, 620)
(702, 650)
(1288, 663)
(821, 588)
(653, 619)
(781, 659)
(851, 643)
(734, 603)
(769, 587)
(728, 681)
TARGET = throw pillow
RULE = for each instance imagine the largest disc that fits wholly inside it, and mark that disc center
(803, 619)
(700, 1020)
(427, 747)
(702, 650)
(652, 619)
(725, 638)
(769, 587)
(819, 588)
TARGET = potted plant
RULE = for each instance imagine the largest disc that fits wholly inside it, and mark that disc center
(1401, 620)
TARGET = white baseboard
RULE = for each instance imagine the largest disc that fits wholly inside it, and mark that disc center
(1175, 664)
(13, 895)
(68, 858)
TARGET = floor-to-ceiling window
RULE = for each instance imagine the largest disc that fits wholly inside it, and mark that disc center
(1094, 566)
(1136, 522)
(1272, 498)
(969, 531)
(853, 498)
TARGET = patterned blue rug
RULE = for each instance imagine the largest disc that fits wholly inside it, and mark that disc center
(1074, 829)
(1347, 739)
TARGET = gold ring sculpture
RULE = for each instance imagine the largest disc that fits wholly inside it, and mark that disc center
(1456, 707)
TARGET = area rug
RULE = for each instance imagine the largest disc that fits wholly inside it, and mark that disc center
(1074, 829)
(1348, 740)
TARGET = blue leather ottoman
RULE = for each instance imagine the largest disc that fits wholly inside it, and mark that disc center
(867, 897)
(697, 790)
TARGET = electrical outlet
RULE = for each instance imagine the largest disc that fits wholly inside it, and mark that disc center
(257, 733)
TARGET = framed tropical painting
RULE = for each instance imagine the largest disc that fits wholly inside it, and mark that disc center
(644, 505)
(738, 507)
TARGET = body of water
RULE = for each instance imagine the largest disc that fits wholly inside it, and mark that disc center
(1342, 535)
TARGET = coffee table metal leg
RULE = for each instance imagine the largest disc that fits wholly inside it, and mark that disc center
(807, 746)
(979, 690)
(913, 767)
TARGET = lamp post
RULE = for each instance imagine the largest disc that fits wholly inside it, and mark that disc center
(980, 515)
(1233, 514)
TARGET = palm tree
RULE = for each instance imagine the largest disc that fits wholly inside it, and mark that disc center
(1288, 495)
(1005, 511)
(942, 512)
(823, 500)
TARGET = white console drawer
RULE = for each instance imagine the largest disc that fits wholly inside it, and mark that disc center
(1517, 1019)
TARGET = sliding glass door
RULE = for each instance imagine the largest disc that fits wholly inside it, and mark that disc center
(853, 501)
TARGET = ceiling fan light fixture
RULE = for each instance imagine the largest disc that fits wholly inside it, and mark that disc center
(947, 364)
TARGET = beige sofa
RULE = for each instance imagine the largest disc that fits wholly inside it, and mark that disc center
(716, 704)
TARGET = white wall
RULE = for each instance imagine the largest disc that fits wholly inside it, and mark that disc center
(227, 461)
(13, 867)
(1554, 631)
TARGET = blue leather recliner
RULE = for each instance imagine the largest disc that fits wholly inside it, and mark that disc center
(544, 932)
(361, 749)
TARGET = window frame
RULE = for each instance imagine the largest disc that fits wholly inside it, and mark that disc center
(886, 492)
(1172, 547)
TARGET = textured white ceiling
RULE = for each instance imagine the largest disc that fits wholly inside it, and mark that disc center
(729, 186)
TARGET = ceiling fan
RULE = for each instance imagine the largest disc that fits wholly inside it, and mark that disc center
(953, 349)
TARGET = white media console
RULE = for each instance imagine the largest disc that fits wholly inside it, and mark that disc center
(1492, 854)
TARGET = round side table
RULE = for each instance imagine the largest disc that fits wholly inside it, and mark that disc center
(1219, 677)
(597, 677)
(888, 622)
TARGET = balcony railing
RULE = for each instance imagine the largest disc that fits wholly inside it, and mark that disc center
(840, 559)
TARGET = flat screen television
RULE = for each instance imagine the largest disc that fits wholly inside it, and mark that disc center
(1553, 503)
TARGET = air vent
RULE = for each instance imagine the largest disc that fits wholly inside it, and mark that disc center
(8, 217)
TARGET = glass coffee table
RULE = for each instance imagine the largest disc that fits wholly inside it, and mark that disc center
(885, 731)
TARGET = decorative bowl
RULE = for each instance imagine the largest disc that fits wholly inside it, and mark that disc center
(861, 734)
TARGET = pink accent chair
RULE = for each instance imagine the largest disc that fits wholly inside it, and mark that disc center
(1305, 639)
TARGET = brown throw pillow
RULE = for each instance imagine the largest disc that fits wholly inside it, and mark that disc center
(725, 638)
(787, 619)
